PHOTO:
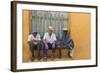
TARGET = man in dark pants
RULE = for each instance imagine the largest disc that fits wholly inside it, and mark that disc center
(34, 43)
(67, 42)
(49, 42)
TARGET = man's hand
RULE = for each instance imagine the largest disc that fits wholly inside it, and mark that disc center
(35, 42)
(46, 46)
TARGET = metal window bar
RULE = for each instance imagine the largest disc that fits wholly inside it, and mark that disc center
(42, 19)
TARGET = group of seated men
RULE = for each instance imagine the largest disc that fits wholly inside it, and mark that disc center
(50, 41)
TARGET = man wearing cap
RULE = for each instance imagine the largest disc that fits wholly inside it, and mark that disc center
(34, 43)
(49, 42)
(67, 42)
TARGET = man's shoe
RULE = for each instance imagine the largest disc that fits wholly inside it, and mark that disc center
(70, 55)
(44, 58)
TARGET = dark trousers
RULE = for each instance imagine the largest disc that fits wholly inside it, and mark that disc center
(46, 49)
(33, 47)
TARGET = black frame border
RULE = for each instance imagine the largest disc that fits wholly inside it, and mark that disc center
(14, 35)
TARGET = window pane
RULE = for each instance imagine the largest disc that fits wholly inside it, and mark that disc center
(42, 19)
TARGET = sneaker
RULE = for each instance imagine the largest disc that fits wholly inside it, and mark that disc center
(44, 58)
(69, 55)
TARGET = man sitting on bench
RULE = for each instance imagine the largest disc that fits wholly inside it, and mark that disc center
(34, 43)
(67, 42)
(49, 42)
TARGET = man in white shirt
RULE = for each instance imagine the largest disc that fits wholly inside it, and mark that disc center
(34, 43)
(49, 42)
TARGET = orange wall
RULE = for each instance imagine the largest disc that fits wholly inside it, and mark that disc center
(79, 24)
(80, 32)
(26, 23)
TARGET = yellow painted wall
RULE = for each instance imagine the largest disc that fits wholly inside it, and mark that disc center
(26, 23)
(80, 32)
(79, 24)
